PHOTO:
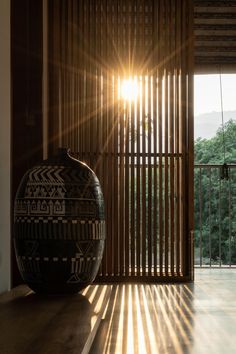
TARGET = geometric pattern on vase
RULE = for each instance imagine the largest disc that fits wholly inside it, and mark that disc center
(59, 225)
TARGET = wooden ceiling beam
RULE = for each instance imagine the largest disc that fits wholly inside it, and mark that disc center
(215, 35)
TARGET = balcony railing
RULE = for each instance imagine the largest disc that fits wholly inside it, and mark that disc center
(215, 216)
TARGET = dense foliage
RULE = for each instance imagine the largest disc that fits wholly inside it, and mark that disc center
(215, 198)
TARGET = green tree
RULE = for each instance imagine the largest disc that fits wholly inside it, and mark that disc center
(215, 224)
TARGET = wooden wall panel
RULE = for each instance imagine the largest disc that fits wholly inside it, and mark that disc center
(26, 95)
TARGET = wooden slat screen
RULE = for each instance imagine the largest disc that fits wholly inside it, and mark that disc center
(141, 149)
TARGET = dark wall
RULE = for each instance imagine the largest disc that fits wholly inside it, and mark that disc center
(26, 104)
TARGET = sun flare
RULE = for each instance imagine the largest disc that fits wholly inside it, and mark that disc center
(129, 89)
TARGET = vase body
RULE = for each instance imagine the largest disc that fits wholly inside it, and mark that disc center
(59, 225)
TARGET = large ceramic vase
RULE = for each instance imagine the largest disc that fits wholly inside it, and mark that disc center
(59, 225)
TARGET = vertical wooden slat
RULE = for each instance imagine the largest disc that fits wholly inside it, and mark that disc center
(149, 134)
(166, 142)
(127, 138)
(77, 91)
(181, 150)
(119, 225)
(96, 98)
(156, 53)
(155, 190)
(103, 124)
(72, 78)
(62, 78)
(183, 137)
(69, 90)
(177, 131)
(113, 156)
(116, 192)
(166, 174)
(107, 166)
(85, 125)
(111, 148)
(82, 97)
(132, 187)
(54, 55)
(99, 73)
(143, 178)
(75, 74)
(160, 136)
(131, 147)
(109, 123)
(190, 139)
(84, 88)
(144, 164)
(138, 189)
(121, 191)
(90, 84)
(150, 153)
(67, 117)
(115, 147)
(149, 104)
(87, 45)
(166, 120)
(171, 138)
(80, 76)
(74, 131)
(94, 113)
(127, 188)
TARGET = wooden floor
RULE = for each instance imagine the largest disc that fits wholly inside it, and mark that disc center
(198, 318)
(38, 324)
(181, 318)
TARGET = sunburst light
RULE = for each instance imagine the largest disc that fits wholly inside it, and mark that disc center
(129, 89)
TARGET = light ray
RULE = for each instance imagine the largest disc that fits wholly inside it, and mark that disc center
(140, 337)
(119, 336)
(130, 339)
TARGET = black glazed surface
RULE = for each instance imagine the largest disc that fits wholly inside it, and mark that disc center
(59, 225)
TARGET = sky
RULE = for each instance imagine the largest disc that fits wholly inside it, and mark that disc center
(207, 100)
(207, 93)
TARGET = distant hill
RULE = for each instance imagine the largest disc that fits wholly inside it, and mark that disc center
(206, 125)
